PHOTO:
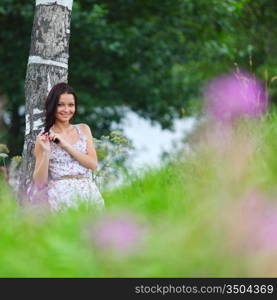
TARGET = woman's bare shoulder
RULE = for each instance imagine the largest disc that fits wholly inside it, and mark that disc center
(85, 128)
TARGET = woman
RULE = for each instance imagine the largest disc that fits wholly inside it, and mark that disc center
(65, 154)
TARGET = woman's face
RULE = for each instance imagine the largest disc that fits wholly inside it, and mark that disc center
(66, 108)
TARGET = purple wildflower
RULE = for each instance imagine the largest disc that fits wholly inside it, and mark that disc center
(121, 234)
(255, 227)
(231, 96)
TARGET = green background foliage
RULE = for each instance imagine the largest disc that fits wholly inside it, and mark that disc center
(150, 57)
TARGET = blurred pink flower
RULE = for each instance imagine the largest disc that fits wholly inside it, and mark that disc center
(5, 173)
(268, 231)
(255, 227)
(235, 95)
(36, 194)
(121, 234)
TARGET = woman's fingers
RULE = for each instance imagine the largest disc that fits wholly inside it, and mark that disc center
(44, 137)
(52, 137)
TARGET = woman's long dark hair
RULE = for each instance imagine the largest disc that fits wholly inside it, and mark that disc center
(52, 101)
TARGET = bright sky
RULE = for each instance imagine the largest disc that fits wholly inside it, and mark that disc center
(150, 141)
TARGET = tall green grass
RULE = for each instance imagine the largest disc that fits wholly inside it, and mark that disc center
(191, 211)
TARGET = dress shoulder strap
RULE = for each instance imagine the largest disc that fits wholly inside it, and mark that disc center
(82, 135)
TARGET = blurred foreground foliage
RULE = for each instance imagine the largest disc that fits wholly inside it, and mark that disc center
(210, 212)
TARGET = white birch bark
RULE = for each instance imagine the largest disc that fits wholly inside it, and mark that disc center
(47, 65)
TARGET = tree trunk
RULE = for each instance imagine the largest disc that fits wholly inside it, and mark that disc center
(47, 65)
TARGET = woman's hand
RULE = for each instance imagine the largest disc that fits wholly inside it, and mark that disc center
(61, 141)
(44, 142)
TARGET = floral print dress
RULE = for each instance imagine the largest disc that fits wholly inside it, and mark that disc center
(79, 186)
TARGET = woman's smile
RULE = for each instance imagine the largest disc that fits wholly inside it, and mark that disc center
(65, 115)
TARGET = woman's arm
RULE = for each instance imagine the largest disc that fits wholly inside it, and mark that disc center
(41, 152)
(88, 160)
